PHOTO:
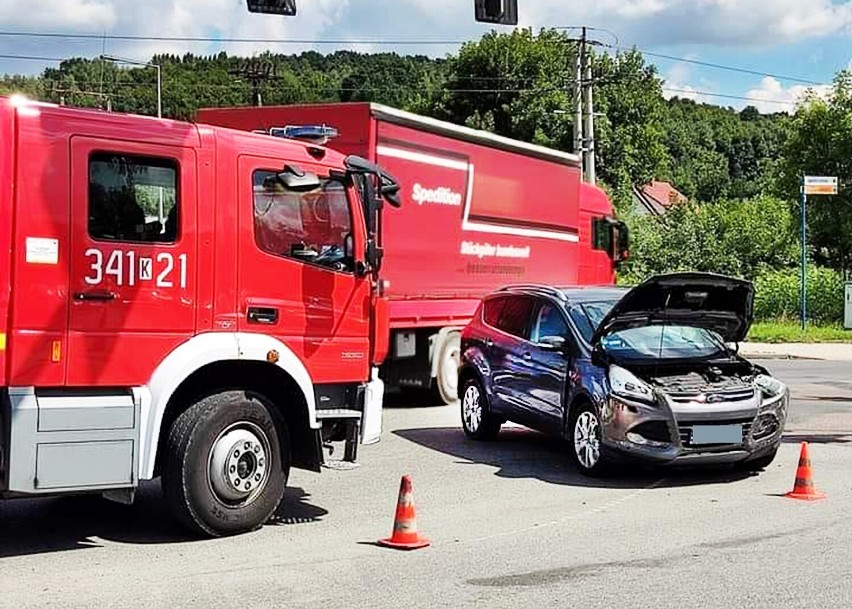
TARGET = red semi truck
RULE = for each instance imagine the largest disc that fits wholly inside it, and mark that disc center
(478, 211)
(183, 300)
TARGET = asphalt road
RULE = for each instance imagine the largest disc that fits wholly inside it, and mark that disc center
(512, 525)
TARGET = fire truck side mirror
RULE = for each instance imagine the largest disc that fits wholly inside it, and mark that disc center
(620, 242)
(295, 179)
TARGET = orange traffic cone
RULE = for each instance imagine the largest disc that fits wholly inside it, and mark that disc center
(804, 486)
(405, 535)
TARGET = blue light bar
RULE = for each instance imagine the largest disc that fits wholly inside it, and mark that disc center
(318, 134)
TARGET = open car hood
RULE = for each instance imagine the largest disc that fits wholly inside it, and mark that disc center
(703, 300)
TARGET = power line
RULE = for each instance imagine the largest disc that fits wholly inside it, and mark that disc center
(350, 41)
(723, 95)
(138, 38)
(719, 66)
(331, 88)
(32, 58)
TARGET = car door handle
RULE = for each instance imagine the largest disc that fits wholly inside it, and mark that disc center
(489, 342)
(527, 355)
(95, 295)
(262, 315)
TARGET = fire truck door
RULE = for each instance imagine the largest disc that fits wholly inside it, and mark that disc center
(133, 257)
(296, 270)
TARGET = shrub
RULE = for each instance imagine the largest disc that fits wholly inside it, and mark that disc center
(740, 238)
(777, 295)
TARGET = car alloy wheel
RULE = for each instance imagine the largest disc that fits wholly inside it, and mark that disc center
(472, 408)
(477, 421)
(587, 445)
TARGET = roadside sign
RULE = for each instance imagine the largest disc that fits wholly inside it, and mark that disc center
(817, 185)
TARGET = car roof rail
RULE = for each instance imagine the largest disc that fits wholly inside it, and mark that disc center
(539, 288)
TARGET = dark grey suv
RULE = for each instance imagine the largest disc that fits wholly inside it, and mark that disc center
(650, 373)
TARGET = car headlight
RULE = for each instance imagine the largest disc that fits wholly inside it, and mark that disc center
(770, 386)
(626, 384)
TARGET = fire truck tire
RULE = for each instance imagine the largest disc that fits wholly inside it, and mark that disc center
(447, 380)
(226, 465)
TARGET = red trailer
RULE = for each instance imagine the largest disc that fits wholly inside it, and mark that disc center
(478, 211)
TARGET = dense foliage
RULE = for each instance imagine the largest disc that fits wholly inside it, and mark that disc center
(744, 238)
(740, 170)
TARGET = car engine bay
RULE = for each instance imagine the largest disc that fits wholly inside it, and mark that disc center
(730, 378)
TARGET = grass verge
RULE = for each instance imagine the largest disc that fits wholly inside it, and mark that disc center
(791, 332)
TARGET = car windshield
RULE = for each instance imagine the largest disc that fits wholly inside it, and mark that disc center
(664, 342)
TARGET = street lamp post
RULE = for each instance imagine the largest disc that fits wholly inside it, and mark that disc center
(147, 65)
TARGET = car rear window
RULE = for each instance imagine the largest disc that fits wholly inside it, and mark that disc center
(491, 310)
(515, 316)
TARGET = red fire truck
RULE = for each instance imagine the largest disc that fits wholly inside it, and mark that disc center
(183, 300)
(479, 211)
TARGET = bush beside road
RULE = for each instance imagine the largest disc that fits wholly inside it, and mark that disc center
(791, 332)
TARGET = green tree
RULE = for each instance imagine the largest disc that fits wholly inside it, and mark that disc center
(820, 143)
(515, 84)
(629, 133)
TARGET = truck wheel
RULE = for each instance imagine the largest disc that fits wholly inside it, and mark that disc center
(449, 359)
(226, 465)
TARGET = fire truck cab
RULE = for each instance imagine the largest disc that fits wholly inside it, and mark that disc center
(183, 301)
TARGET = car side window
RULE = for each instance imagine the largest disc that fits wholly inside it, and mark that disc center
(515, 316)
(314, 227)
(548, 322)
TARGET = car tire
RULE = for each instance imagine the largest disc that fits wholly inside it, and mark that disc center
(226, 465)
(754, 465)
(478, 422)
(583, 433)
(447, 377)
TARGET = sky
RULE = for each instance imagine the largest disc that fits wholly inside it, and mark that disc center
(782, 41)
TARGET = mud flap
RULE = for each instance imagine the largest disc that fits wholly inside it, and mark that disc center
(371, 422)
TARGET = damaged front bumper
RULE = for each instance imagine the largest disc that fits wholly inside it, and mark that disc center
(689, 429)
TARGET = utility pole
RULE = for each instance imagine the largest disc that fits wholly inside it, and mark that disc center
(580, 49)
(256, 73)
(589, 126)
(144, 64)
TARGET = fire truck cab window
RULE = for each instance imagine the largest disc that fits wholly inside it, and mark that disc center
(132, 198)
(314, 227)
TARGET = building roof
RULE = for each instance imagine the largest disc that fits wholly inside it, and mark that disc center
(658, 197)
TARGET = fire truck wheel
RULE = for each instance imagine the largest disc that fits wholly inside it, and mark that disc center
(448, 368)
(226, 465)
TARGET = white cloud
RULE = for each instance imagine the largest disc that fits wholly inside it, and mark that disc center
(731, 22)
(647, 23)
(676, 82)
(92, 15)
(734, 22)
(772, 96)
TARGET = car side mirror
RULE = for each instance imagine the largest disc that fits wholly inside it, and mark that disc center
(598, 356)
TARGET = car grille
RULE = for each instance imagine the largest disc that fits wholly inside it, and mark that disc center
(685, 431)
(739, 394)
